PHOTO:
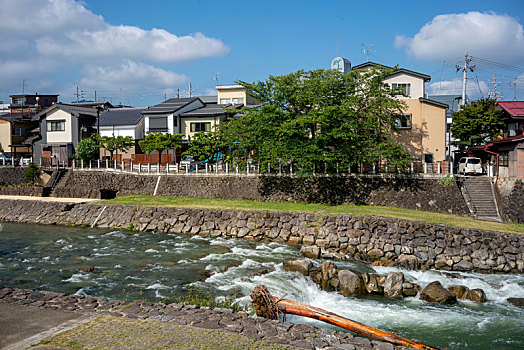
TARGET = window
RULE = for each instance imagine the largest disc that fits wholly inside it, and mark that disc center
(18, 132)
(56, 125)
(504, 158)
(234, 100)
(197, 127)
(225, 101)
(238, 100)
(403, 121)
(19, 101)
(158, 124)
(401, 89)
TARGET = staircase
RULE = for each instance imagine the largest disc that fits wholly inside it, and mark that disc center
(60, 177)
(479, 194)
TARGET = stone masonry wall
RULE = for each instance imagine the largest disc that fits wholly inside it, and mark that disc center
(511, 199)
(12, 176)
(367, 238)
(403, 192)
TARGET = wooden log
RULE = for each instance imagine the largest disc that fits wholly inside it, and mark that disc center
(270, 306)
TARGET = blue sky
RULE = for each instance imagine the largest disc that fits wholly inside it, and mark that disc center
(136, 52)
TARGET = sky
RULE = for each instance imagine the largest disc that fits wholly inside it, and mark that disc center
(138, 53)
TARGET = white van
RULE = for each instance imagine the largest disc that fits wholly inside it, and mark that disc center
(470, 165)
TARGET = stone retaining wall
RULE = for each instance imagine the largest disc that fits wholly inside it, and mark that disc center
(510, 193)
(12, 176)
(403, 192)
(24, 191)
(368, 238)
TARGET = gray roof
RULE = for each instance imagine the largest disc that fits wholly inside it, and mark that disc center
(452, 101)
(208, 99)
(73, 110)
(121, 116)
(171, 105)
(210, 110)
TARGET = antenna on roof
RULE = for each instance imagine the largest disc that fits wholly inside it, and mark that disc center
(216, 79)
(366, 51)
(190, 89)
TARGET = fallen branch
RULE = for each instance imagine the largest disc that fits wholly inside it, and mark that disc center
(271, 307)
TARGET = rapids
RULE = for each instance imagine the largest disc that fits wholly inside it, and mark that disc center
(129, 265)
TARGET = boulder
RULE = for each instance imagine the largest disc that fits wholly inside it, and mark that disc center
(410, 289)
(435, 293)
(328, 271)
(372, 284)
(516, 301)
(459, 291)
(315, 274)
(351, 283)
(312, 252)
(477, 295)
(301, 265)
(393, 285)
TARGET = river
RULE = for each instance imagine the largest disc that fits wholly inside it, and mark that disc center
(129, 265)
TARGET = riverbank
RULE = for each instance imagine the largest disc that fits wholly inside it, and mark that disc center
(145, 325)
(366, 238)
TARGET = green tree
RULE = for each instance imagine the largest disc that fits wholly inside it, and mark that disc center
(205, 144)
(316, 120)
(87, 149)
(476, 123)
(31, 173)
(116, 143)
(159, 142)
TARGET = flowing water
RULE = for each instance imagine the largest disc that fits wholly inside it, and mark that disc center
(129, 265)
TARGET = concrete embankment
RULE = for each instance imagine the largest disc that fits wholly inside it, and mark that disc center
(398, 242)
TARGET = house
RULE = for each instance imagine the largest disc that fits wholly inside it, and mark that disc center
(62, 126)
(423, 123)
(17, 127)
(187, 116)
(453, 102)
(235, 95)
(513, 116)
(123, 122)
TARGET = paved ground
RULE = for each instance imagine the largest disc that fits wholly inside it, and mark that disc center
(50, 199)
(20, 322)
(24, 327)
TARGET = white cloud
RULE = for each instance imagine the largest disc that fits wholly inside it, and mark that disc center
(131, 75)
(474, 89)
(486, 35)
(46, 39)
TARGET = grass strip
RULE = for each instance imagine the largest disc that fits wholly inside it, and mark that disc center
(236, 204)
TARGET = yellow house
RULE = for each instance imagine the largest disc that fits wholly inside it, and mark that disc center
(234, 94)
(423, 123)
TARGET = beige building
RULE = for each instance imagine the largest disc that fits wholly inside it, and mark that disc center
(234, 94)
(423, 123)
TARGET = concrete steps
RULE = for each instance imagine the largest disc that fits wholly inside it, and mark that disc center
(481, 197)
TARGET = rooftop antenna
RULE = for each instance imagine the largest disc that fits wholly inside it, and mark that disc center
(216, 79)
(367, 50)
(190, 89)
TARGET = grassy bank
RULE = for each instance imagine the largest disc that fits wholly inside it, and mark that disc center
(235, 204)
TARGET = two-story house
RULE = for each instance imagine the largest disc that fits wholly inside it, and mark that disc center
(62, 126)
(423, 123)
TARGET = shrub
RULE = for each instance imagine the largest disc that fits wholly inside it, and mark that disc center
(31, 173)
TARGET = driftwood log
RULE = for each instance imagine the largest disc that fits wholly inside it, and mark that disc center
(271, 307)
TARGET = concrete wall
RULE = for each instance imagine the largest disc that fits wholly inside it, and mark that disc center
(355, 237)
(510, 196)
(65, 136)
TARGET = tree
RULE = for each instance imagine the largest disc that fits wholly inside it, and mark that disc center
(116, 143)
(159, 142)
(87, 149)
(205, 144)
(476, 123)
(31, 173)
(316, 120)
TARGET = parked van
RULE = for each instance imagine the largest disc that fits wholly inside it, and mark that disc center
(470, 165)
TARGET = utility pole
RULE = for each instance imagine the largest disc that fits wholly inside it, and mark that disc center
(95, 95)
(178, 93)
(23, 86)
(495, 94)
(465, 67)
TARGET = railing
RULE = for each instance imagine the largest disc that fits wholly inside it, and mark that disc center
(250, 169)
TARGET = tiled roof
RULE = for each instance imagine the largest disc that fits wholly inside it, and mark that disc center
(399, 70)
(171, 105)
(210, 110)
(514, 108)
(74, 110)
(121, 116)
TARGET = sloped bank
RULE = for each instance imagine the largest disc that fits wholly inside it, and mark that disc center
(402, 192)
(399, 242)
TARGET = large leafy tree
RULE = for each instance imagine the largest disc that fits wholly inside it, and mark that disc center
(159, 142)
(476, 123)
(205, 144)
(321, 119)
